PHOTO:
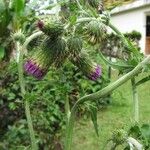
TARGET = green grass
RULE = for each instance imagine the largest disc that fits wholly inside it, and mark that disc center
(118, 115)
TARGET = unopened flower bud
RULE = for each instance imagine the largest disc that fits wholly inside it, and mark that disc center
(74, 45)
(95, 32)
(89, 68)
(52, 29)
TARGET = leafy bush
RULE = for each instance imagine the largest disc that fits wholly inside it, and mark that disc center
(47, 99)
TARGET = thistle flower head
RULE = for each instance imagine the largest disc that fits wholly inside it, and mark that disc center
(33, 68)
(88, 67)
(95, 72)
(95, 32)
(53, 29)
(37, 65)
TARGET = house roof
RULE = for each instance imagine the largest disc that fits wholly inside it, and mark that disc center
(134, 5)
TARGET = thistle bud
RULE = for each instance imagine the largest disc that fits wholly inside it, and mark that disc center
(52, 29)
(97, 4)
(74, 45)
(57, 50)
(95, 32)
(94, 3)
(18, 36)
(89, 68)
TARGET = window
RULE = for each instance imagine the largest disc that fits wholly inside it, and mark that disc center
(148, 26)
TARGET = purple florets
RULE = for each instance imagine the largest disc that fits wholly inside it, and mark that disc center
(33, 69)
(96, 73)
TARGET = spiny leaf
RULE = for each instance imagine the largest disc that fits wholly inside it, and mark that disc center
(143, 81)
(73, 19)
(2, 6)
(145, 129)
(115, 65)
(93, 111)
(18, 6)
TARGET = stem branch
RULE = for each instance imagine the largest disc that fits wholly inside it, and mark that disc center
(135, 100)
(105, 91)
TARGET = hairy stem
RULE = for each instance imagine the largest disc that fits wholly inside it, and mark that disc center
(23, 92)
(67, 107)
(126, 42)
(30, 38)
(135, 100)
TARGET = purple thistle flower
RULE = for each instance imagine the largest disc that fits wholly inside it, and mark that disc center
(35, 70)
(96, 73)
(50, 53)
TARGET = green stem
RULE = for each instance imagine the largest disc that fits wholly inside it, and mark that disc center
(67, 108)
(30, 125)
(23, 92)
(85, 19)
(126, 42)
(30, 38)
(135, 100)
(105, 91)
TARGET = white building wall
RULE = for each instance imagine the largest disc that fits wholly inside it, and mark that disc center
(130, 20)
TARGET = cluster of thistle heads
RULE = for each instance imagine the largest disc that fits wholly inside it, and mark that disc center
(54, 50)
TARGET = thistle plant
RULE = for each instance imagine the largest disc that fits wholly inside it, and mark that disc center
(54, 50)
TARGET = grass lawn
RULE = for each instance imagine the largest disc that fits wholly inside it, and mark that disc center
(118, 115)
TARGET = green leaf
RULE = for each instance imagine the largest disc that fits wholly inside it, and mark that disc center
(5, 17)
(120, 66)
(93, 111)
(143, 81)
(18, 6)
(73, 19)
(2, 6)
(2, 52)
(11, 96)
(12, 106)
(135, 131)
(30, 96)
(145, 129)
